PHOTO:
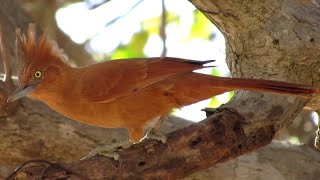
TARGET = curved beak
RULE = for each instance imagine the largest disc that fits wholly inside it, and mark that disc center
(20, 92)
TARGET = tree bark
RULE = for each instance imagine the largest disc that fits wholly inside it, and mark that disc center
(214, 140)
(277, 161)
(265, 39)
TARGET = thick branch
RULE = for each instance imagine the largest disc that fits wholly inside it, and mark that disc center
(217, 139)
(275, 161)
(33, 131)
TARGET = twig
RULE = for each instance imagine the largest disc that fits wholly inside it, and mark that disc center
(51, 164)
(125, 14)
(3, 75)
(43, 172)
(317, 138)
(4, 55)
(94, 5)
(117, 18)
(163, 29)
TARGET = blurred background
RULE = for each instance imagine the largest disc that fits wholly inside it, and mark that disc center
(99, 30)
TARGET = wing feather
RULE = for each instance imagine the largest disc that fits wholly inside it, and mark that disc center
(108, 81)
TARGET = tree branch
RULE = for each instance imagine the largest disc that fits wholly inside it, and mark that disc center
(276, 161)
(163, 24)
(217, 139)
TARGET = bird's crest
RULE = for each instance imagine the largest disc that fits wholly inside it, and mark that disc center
(31, 49)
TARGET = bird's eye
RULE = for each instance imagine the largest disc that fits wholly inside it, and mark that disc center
(38, 74)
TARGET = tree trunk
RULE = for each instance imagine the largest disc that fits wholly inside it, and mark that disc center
(271, 39)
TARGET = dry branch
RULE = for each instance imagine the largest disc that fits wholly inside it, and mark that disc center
(217, 139)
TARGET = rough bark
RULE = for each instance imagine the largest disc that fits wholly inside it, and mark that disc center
(218, 138)
(265, 39)
(269, 40)
(33, 131)
(278, 161)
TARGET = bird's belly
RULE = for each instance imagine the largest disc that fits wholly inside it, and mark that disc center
(93, 114)
(133, 111)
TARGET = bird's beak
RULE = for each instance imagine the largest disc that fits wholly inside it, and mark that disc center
(20, 92)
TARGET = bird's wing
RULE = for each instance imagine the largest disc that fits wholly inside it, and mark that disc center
(108, 81)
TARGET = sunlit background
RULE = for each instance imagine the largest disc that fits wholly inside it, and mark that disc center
(131, 28)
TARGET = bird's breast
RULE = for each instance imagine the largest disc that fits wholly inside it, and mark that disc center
(135, 110)
(95, 114)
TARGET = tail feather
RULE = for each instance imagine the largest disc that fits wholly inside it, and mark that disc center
(195, 87)
(266, 86)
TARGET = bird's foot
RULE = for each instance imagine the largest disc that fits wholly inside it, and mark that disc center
(156, 135)
(109, 150)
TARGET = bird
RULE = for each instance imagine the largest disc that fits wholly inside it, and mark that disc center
(127, 93)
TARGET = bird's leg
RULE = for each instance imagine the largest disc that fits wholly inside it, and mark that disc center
(109, 150)
(154, 132)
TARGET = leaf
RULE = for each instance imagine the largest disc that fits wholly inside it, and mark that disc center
(134, 48)
(201, 27)
(152, 25)
(215, 72)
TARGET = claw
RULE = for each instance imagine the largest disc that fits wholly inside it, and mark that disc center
(156, 135)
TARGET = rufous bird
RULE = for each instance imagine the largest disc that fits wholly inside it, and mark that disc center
(129, 93)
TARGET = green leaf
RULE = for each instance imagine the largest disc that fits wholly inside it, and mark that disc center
(152, 25)
(134, 48)
(201, 27)
(215, 102)
(215, 72)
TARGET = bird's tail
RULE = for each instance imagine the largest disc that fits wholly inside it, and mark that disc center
(195, 87)
(268, 86)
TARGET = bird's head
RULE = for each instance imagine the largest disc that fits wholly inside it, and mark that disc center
(40, 62)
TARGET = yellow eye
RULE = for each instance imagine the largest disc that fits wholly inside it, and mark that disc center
(38, 74)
